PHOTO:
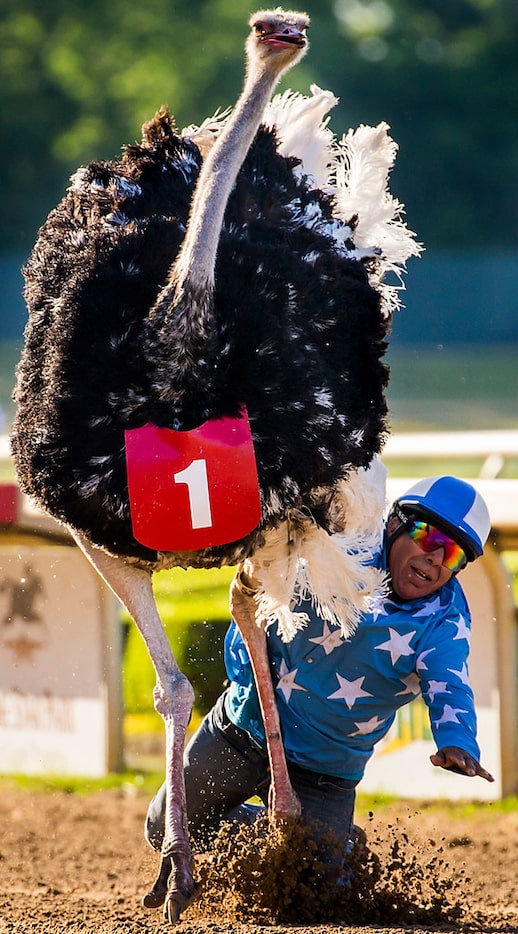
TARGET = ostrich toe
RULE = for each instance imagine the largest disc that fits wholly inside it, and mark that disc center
(174, 888)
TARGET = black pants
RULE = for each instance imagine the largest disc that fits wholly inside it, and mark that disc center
(224, 768)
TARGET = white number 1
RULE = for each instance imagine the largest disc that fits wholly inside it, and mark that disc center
(195, 476)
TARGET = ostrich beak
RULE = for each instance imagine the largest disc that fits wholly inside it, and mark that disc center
(289, 36)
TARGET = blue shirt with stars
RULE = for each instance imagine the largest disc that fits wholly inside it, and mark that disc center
(338, 697)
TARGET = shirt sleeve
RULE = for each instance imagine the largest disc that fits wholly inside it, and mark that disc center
(442, 665)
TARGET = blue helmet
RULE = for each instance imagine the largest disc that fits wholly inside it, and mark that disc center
(455, 507)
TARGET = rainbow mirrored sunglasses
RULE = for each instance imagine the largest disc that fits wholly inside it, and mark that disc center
(429, 538)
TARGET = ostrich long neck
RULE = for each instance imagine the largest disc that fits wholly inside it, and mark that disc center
(195, 263)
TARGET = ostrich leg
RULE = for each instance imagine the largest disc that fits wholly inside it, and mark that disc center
(173, 697)
(283, 803)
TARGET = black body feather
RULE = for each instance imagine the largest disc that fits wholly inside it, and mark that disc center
(296, 333)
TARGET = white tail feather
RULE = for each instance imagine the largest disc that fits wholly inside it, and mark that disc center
(302, 130)
(359, 179)
(207, 133)
(355, 170)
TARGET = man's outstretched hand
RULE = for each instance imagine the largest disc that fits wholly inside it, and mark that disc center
(457, 760)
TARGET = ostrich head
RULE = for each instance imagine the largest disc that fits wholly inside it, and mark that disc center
(277, 39)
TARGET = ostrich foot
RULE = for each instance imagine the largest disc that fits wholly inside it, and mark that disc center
(174, 888)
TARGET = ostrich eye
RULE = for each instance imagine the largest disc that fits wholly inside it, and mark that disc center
(259, 29)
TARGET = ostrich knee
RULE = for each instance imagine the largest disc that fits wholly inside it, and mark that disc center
(174, 699)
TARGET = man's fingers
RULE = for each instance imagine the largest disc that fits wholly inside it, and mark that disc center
(484, 774)
(459, 761)
(437, 759)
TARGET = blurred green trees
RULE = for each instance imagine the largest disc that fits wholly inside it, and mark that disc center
(79, 77)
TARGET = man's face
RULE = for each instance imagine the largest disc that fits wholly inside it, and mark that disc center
(414, 573)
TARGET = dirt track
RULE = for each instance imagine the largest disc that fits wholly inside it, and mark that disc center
(79, 864)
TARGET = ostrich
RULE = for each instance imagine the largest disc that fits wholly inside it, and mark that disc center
(204, 286)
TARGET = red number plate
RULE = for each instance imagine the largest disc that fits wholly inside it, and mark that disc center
(195, 489)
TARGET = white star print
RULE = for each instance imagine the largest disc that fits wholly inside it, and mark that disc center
(462, 674)
(369, 726)
(412, 684)
(429, 608)
(397, 645)
(349, 691)
(329, 640)
(449, 715)
(286, 683)
(463, 630)
(437, 687)
(378, 608)
(420, 665)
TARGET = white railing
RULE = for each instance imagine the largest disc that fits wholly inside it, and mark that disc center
(492, 446)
